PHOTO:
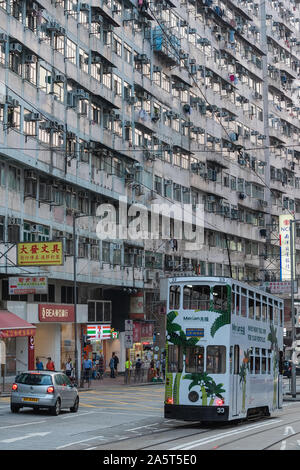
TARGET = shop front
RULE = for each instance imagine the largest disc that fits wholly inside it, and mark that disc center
(100, 342)
(16, 345)
(55, 334)
(142, 342)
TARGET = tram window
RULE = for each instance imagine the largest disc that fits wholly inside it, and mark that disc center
(194, 359)
(257, 361)
(233, 308)
(238, 304)
(269, 360)
(174, 297)
(251, 308)
(230, 359)
(236, 359)
(196, 297)
(257, 307)
(276, 312)
(270, 313)
(281, 315)
(251, 361)
(244, 303)
(263, 362)
(216, 359)
(220, 297)
(264, 309)
(175, 358)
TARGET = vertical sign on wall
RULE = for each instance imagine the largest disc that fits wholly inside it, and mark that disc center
(285, 246)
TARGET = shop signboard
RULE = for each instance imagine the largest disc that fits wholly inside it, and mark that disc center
(128, 340)
(280, 287)
(40, 253)
(99, 332)
(56, 313)
(128, 325)
(285, 246)
(27, 285)
(17, 332)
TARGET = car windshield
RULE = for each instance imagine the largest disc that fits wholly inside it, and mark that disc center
(34, 379)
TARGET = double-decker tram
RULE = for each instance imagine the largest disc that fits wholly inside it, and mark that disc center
(224, 350)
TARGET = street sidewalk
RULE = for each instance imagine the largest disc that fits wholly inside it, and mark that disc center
(95, 384)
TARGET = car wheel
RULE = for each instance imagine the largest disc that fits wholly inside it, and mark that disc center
(55, 410)
(74, 408)
(14, 408)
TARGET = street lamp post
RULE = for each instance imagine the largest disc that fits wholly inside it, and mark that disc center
(75, 289)
(293, 375)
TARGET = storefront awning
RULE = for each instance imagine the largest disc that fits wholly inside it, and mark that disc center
(12, 326)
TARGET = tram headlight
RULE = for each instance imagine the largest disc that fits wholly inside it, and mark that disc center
(193, 396)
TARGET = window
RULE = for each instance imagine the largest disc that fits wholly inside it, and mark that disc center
(257, 307)
(175, 358)
(99, 311)
(220, 298)
(106, 252)
(216, 359)
(244, 303)
(194, 359)
(174, 297)
(34, 379)
(251, 306)
(70, 51)
(257, 361)
(196, 297)
(263, 361)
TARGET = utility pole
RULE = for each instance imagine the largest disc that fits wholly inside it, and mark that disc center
(292, 248)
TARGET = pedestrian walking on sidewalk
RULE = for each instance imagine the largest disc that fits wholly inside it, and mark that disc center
(39, 365)
(112, 367)
(50, 364)
(138, 368)
(69, 367)
(128, 366)
(87, 365)
(116, 359)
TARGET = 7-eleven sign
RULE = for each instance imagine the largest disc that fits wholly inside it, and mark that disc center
(98, 332)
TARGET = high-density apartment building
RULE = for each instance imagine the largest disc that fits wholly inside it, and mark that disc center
(159, 102)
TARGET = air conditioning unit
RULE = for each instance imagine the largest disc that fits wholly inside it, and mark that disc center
(28, 174)
(30, 59)
(59, 78)
(15, 47)
(84, 7)
(96, 59)
(81, 94)
(3, 37)
(13, 221)
(31, 117)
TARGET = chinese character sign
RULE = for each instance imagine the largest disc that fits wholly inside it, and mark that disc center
(285, 247)
(40, 254)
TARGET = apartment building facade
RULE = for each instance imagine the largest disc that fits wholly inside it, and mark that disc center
(163, 102)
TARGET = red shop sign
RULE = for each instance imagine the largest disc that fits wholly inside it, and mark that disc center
(56, 313)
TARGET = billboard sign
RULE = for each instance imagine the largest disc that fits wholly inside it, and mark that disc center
(285, 246)
(40, 254)
(27, 285)
(56, 313)
(98, 332)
